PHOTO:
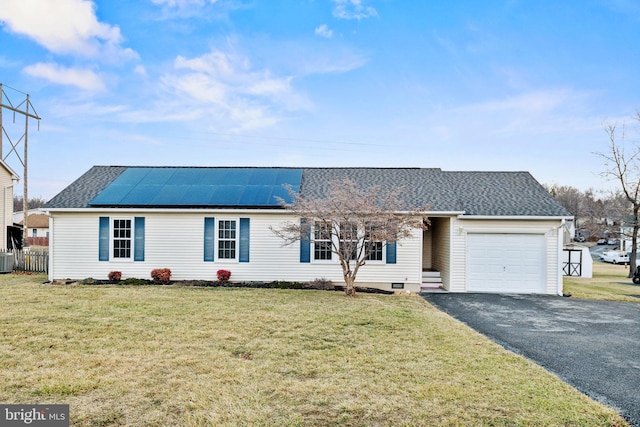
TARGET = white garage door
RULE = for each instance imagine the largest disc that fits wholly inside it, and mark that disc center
(506, 263)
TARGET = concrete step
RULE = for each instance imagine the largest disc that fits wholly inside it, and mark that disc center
(431, 277)
(431, 281)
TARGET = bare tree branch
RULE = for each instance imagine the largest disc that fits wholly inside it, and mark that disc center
(625, 168)
(360, 223)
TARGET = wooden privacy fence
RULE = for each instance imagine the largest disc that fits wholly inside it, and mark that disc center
(36, 261)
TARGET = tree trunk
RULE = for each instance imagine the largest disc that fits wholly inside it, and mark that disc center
(634, 241)
(349, 289)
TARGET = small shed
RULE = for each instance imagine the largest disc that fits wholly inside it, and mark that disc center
(577, 261)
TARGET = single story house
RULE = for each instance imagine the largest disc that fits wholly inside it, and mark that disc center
(38, 225)
(489, 231)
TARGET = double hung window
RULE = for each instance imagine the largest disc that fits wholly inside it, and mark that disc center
(227, 242)
(374, 251)
(349, 241)
(226, 239)
(373, 246)
(122, 238)
(322, 241)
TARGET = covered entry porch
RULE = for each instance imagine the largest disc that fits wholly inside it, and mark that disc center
(436, 254)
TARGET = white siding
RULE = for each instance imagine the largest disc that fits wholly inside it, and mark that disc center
(427, 244)
(458, 277)
(6, 184)
(441, 248)
(176, 241)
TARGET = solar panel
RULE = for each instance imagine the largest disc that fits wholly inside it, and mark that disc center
(183, 187)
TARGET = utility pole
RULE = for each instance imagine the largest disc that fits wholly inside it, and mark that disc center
(22, 108)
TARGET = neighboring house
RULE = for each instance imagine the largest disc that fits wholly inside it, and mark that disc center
(37, 225)
(488, 232)
(8, 233)
(18, 216)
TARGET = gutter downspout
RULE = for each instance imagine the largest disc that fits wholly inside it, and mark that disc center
(51, 245)
(560, 236)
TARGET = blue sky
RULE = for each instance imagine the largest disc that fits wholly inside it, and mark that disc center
(459, 85)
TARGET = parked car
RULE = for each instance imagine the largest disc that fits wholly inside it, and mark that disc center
(580, 239)
(612, 242)
(615, 257)
(602, 241)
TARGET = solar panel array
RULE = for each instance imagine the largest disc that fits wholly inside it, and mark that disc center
(185, 187)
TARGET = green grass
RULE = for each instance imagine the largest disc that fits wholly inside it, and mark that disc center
(184, 356)
(609, 282)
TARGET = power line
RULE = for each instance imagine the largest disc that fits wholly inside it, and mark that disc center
(322, 141)
(22, 108)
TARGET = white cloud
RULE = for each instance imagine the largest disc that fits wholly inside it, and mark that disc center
(324, 31)
(192, 9)
(224, 87)
(140, 70)
(337, 60)
(536, 102)
(353, 9)
(64, 27)
(181, 3)
(81, 78)
(543, 112)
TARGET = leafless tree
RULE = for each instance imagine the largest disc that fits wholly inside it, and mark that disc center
(572, 199)
(353, 223)
(624, 167)
(594, 212)
(35, 202)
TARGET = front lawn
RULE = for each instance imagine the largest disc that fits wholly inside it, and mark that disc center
(185, 356)
(609, 282)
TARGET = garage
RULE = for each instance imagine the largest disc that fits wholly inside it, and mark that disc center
(506, 263)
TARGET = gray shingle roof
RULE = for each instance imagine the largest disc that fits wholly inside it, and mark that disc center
(503, 193)
(81, 191)
(475, 193)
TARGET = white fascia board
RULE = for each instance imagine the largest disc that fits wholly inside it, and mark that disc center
(443, 213)
(14, 175)
(161, 210)
(431, 213)
(516, 217)
(191, 210)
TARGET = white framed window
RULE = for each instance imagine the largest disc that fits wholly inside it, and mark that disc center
(349, 241)
(121, 238)
(322, 241)
(227, 239)
(374, 249)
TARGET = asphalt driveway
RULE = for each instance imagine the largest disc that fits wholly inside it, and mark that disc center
(592, 345)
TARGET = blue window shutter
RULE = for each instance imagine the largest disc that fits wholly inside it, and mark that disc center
(391, 252)
(103, 239)
(138, 241)
(244, 240)
(305, 241)
(209, 237)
